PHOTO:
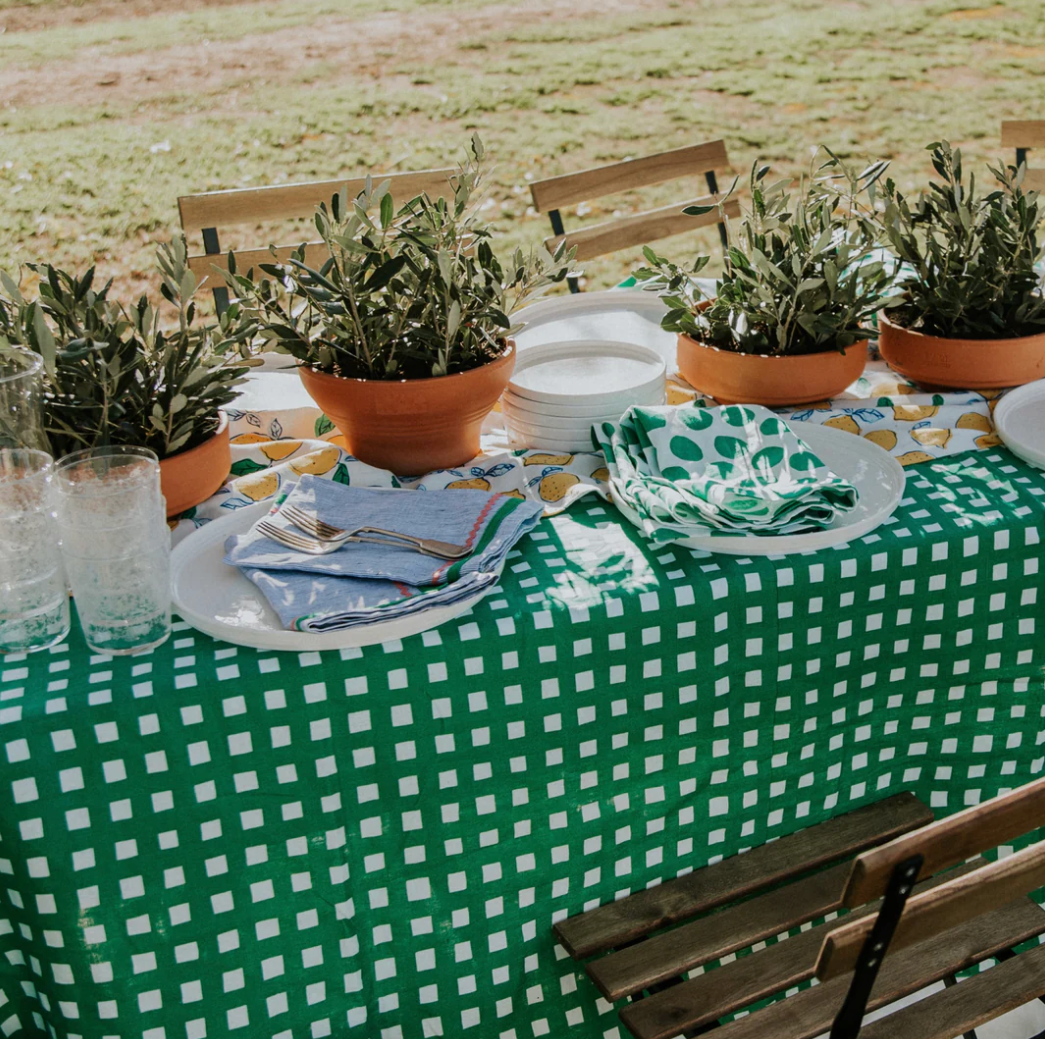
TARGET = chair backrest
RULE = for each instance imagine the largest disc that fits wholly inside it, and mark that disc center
(1024, 134)
(905, 918)
(208, 212)
(551, 195)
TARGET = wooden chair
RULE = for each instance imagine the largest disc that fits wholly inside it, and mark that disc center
(882, 863)
(1023, 134)
(550, 195)
(213, 209)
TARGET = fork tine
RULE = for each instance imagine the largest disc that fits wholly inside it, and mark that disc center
(313, 524)
(285, 537)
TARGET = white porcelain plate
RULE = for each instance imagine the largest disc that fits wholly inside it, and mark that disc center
(219, 601)
(588, 372)
(1020, 421)
(878, 477)
(539, 409)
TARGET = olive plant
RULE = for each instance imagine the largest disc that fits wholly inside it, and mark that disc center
(969, 257)
(403, 292)
(801, 275)
(113, 373)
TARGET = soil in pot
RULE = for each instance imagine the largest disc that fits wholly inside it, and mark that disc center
(413, 426)
(737, 378)
(966, 364)
(192, 476)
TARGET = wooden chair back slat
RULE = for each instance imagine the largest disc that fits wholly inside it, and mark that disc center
(965, 1007)
(286, 201)
(617, 923)
(712, 995)
(203, 264)
(570, 188)
(810, 1013)
(1034, 180)
(949, 841)
(1023, 133)
(931, 912)
(640, 228)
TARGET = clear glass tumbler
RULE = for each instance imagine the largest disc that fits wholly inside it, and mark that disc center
(21, 397)
(34, 603)
(116, 546)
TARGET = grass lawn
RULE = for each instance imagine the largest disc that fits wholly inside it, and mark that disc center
(110, 109)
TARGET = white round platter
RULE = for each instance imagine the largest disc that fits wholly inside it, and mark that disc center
(219, 601)
(878, 477)
(621, 315)
(1020, 421)
(588, 372)
(655, 396)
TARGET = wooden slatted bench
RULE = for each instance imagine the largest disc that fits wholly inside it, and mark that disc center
(906, 884)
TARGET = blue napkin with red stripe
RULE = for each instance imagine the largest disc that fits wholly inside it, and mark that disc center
(364, 582)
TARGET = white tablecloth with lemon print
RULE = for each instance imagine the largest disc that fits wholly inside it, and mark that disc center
(269, 446)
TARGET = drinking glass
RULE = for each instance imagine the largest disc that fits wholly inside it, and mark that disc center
(116, 546)
(34, 603)
(21, 396)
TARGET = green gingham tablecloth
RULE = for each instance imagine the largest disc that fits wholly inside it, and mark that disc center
(207, 841)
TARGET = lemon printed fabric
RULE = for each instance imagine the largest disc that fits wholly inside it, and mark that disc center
(690, 470)
(271, 450)
(913, 428)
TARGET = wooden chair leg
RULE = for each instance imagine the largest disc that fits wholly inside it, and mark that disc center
(211, 248)
(850, 1018)
(713, 189)
(557, 229)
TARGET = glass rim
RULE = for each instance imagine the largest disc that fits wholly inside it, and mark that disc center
(105, 451)
(33, 364)
(31, 454)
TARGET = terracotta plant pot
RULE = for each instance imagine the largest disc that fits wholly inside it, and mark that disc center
(967, 364)
(414, 425)
(192, 476)
(735, 378)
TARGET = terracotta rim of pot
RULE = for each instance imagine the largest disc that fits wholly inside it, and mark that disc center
(412, 426)
(731, 377)
(968, 364)
(190, 477)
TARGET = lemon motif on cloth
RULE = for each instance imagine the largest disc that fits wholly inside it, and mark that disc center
(688, 471)
(315, 463)
(913, 427)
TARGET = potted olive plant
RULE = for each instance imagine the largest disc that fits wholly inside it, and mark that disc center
(971, 313)
(402, 335)
(788, 320)
(114, 375)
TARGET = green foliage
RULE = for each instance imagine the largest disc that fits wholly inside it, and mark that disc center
(403, 294)
(112, 374)
(971, 257)
(799, 276)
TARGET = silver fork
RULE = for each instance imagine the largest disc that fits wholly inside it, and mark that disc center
(325, 532)
(312, 547)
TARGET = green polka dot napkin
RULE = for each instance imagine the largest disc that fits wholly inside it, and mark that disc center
(737, 469)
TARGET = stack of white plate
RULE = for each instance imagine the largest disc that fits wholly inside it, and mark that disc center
(559, 390)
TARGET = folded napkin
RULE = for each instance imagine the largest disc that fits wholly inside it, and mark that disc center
(364, 582)
(737, 469)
